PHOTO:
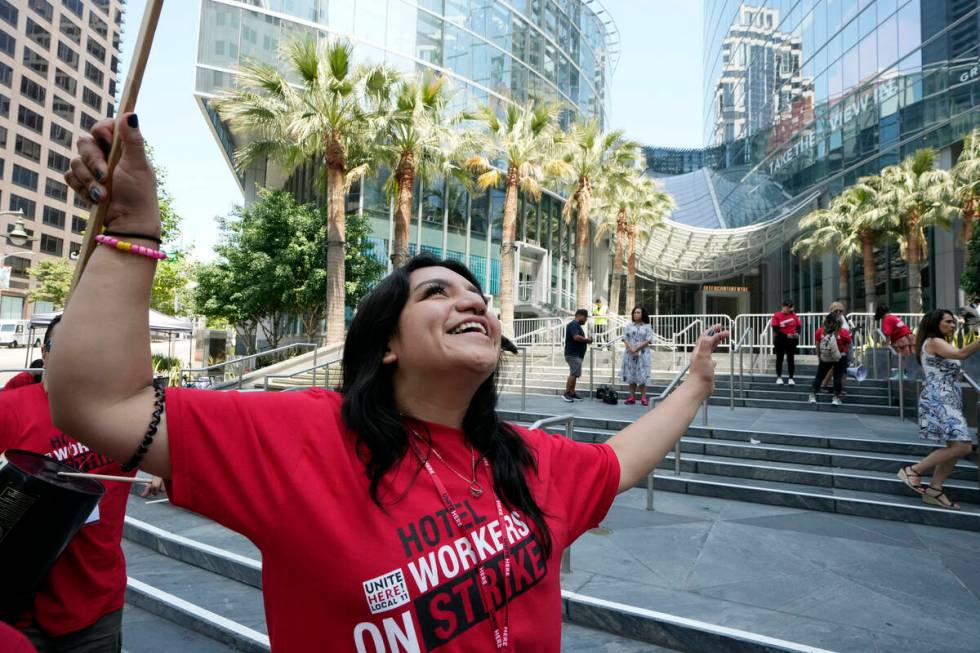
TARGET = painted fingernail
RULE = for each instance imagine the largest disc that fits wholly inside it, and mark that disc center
(133, 121)
(95, 193)
(99, 174)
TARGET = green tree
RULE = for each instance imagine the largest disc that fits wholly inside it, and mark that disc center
(170, 293)
(970, 281)
(590, 155)
(966, 177)
(219, 297)
(525, 140)
(324, 108)
(832, 230)
(920, 196)
(647, 215)
(364, 269)
(53, 277)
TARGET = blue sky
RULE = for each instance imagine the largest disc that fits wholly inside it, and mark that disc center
(656, 98)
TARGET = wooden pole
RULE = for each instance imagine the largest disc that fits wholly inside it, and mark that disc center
(134, 79)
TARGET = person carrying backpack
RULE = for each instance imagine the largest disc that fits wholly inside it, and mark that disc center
(833, 342)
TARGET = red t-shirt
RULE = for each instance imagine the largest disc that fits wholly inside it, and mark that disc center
(843, 339)
(19, 381)
(786, 323)
(339, 573)
(13, 641)
(88, 581)
(894, 328)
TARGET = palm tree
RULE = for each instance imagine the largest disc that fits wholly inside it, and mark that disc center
(617, 197)
(873, 222)
(966, 176)
(415, 140)
(920, 196)
(329, 115)
(647, 215)
(525, 142)
(589, 156)
(831, 230)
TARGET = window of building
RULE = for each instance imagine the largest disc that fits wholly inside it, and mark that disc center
(60, 135)
(93, 74)
(51, 245)
(88, 121)
(98, 25)
(8, 12)
(57, 162)
(74, 249)
(103, 5)
(31, 120)
(78, 224)
(32, 90)
(7, 43)
(70, 29)
(3, 140)
(67, 55)
(80, 202)
(27, 148)
(54, 217)
(112, 88)
(4, 106)
(63, 109)
(91, 98)
(74, 6)
(35, 62)
(3, 162)
(12, 306)
(24, 205)
(6, 75)
(24, 177)
(95, 49)
(64, 81)
(114, 64)
(56, 189)
(38, 34)
(42, 8)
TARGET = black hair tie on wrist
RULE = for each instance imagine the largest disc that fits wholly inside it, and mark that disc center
(117, 234)
(151, 430)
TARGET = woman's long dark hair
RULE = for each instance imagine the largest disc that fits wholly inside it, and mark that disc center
(831, 323)
(881, 312)
(369, 400)
(929, 328)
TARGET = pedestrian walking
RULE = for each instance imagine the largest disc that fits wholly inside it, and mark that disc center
(785, 330)
(837, 308)
(430, 521)
(833, 342)
(637, 337)
(576, 344)
(941, 417)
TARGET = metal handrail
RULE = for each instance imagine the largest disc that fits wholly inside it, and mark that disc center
(682, 332)
(241, 360)
(569, 420)
(677, 446)
(312, 368)
(737, 347)
(976, 387)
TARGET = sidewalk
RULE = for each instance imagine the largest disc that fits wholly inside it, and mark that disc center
(833, 581)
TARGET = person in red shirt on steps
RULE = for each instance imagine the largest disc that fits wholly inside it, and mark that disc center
(785, 330)
(832, 325)
(79, 605)
(898, 333)
(399, 514)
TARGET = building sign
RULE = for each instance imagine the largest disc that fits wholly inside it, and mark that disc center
(725, 289)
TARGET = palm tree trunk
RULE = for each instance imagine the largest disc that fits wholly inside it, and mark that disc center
(914, 261)
(336, 226)
(582, 298)
(617, 266)
(844, 281)
(631, 273)
(405, 180)
(868, 251)
(507, 249)
(969, 215)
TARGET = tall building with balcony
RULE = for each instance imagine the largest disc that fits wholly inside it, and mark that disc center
(492, 51)
(58, 66)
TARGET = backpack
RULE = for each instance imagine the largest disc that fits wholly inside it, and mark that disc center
(607, 394)
(827, 350)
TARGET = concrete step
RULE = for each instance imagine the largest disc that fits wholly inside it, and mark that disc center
(145, 632)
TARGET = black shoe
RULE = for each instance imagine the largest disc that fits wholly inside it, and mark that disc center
(567, 397)
(576, 395)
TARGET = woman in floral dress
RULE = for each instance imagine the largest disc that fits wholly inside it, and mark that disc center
(637, 337)
(940, 407)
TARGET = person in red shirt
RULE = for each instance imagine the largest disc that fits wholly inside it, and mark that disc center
(898, 333)
(832, 326)
(785, 330)
(13, 641)
(79, 605)
(398, 514)
(25, 378)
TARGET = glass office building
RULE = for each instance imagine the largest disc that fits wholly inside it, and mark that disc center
(806, 96)
(493, 51)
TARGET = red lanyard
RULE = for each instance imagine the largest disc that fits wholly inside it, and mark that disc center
(501, 636)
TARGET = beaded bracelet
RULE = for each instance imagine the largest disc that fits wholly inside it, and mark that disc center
(124, 246)
(118, 234)
(151, 430)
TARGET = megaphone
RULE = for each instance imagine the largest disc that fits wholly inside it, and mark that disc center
(857, 372)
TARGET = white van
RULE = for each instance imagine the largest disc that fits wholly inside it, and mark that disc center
(13, 333)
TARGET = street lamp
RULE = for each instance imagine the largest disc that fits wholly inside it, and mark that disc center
(17, 236)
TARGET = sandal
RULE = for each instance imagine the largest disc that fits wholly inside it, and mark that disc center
(906, 474)
(942, 499)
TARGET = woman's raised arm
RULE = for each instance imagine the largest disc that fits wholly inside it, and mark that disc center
(99, 372)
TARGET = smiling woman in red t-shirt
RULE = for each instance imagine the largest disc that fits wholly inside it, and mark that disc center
(400, 513)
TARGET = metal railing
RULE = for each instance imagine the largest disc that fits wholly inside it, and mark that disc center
(976, 388)
(315, 368)
(239, 366)
(668, 327)
(738, 348)
(569, 420)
